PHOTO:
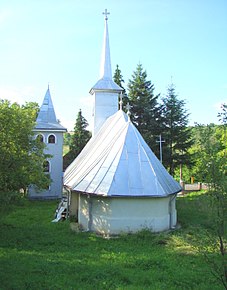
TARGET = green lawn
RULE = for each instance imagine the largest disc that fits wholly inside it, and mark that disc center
(38, 254)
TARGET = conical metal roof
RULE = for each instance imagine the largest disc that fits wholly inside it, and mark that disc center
(47, 118)
(118, 162)
(106, 83)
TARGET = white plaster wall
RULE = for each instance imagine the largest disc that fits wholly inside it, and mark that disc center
(106, 104)
(56, 168)
(83, 212)
(116, 215)
(74, 204)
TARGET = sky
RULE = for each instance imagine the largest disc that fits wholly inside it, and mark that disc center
(59, 42)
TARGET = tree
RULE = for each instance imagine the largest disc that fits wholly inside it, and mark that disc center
(118, 79)
(78, 140)
(145, 110)
(175, 131)
(212, 169)
(80, 136)
(208, 148)
(21, 156)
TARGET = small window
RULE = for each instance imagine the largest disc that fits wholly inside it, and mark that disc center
(40, 138)
(46, 166)
(51, 139)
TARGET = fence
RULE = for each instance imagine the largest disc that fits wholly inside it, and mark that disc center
(194, 186)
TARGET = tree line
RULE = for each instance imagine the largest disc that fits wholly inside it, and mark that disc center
(22, 157)
(159, 119)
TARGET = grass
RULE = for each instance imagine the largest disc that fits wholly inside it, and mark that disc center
(65, 149)
(38, 254)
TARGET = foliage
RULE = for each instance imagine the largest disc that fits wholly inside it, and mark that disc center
(145, 111)
(21, 156)
(223, 114)
(67, 139)
(38, 254)
(176, 133)
(78, 140)
(209, 151)
(212, 168)
(118, 79)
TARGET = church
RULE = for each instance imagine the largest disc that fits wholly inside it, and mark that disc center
(117, 184)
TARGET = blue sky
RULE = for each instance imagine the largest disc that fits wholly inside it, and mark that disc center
(60, 42)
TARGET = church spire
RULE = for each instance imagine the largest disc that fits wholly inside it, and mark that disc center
(47, 118)
(105, 91)
(47, 113)
(106, 83)
(105, 68)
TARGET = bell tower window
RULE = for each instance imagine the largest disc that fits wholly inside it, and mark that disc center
(46, 166)
(40, 138)
(52, 139)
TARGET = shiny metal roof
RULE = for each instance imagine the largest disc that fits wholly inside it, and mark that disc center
(46, 118)
(118, 162)
(105, 82)
(106, 85)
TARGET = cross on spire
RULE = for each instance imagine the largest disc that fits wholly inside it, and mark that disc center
(160, 141)
(106, 13)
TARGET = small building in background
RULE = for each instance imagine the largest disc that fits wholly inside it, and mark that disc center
(49, 131)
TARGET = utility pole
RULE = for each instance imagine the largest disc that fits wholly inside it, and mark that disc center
(160, 141)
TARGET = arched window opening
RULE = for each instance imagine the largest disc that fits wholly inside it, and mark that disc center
(51, 139)
(46, 166)
(40, 138)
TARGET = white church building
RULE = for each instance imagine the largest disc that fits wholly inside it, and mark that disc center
(116, 183)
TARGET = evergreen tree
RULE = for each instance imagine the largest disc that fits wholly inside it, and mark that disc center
(118, 79)
(78, 140)
(80, 136)
(145, 110)
(176, 133)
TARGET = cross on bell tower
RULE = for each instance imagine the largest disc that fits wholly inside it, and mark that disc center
(106, 13)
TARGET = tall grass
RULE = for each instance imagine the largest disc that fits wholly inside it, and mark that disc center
(38, 254)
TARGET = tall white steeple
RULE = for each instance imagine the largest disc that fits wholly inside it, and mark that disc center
(105, 91)
(105, 68)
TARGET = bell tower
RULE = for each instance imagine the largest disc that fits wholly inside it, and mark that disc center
(105, 91)
(50, 132)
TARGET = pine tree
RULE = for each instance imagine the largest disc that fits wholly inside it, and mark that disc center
(176, 133)
(80, 136)
(78, 140)
(145, 110)
(118, 79)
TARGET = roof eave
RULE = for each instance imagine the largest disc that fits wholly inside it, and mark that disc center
(94, 90)
(50, 129)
